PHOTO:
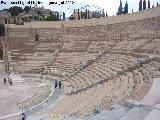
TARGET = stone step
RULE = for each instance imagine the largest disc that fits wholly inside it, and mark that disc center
(137, 113)
(115, 114)
(18, 81)
(16, 78)
(153, 115)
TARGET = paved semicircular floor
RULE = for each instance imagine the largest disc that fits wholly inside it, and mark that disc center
(10, 96)
(21, 95)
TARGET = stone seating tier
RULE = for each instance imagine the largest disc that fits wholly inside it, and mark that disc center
(97, 72)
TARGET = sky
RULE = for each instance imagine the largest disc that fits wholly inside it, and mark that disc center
(111, 6)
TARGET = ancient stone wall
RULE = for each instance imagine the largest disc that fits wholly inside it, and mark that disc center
(29, 30)
(38, 41)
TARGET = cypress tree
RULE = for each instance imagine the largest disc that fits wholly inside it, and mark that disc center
(81, 15)
(88, 15)
(103, 14)
(93, 14)
(64, 15)
(120, 9)
(148, 4)
(140, 5)
(57, 16)
(106, 14)
(98, 14)
(157, 4)
(78, 15)
(126, 8)
(144, 4)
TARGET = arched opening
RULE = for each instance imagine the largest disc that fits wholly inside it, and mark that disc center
(1, 51)
(36, 37)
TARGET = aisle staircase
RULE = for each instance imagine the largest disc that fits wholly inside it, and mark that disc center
(49, 63)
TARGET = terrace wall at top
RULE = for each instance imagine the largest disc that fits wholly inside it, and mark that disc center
(145, 14)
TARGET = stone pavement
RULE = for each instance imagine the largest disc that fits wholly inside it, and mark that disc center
(153, 115)
(14, 98)
(40, 112)
(153, 95)
(2, 72)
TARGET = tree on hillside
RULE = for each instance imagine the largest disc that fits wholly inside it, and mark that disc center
(48, 18)
(140, 5)
(57, 17)
(43, 18)
(27, 8)
(25, 19)
(30, 17)
(14, 20)
(39, 14)
(71, 17)
(148, 4)
(5, 9)
(120, 9)
(144, 4)
(15, 10)
(2, 30)
(53, 17)
(126, 8)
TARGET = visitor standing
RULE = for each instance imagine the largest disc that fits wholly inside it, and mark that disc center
(10, 81)
(56, 83)
(5, 81)
(60, 84)
(23, 116)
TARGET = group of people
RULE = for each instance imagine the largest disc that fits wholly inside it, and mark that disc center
(58, 83)
(9, 81)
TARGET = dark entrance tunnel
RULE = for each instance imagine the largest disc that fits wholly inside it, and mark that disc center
(1, 51)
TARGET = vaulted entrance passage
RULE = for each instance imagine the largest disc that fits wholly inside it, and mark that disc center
(1, 51)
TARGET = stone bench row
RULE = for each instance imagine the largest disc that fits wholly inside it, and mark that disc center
(93, 75)
(96, 73)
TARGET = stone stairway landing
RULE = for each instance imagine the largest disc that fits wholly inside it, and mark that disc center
(16, 78)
